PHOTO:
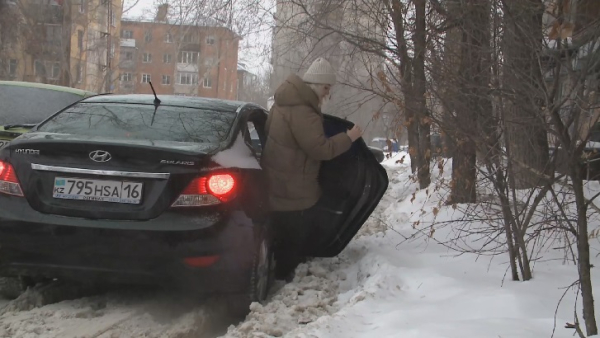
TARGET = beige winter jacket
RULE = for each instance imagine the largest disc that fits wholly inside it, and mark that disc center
(296, 145)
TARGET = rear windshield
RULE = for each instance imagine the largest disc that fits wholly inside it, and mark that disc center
(139, 122)
(26, 105)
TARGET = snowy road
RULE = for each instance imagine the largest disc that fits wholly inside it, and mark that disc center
(124, 313)
(375, 288)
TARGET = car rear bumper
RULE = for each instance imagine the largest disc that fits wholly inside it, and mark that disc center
(35, 244)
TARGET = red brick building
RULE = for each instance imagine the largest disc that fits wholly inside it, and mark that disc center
(178, 59)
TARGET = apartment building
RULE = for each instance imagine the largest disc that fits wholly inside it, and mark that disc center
(72, 43)
(247, 82)
(297, 41)
(181, 59)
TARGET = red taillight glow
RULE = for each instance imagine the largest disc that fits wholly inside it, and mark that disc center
(220, 185)
(9, 184)
(200, 262)
(196, 187)
(207, 190)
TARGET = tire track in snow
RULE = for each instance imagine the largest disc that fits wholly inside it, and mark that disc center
(122, 313)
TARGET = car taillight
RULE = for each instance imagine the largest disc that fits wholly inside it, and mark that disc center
(9, 184)
(208, 190)
(221, 185)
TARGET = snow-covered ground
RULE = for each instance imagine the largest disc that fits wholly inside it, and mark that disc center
(380, 286)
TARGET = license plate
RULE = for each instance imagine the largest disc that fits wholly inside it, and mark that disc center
(97, 190)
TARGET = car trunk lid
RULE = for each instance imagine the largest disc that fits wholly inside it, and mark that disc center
(101, 179)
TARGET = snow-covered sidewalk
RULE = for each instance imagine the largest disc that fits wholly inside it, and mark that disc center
(380, 286)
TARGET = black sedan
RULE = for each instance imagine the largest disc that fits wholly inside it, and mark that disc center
(132, 189)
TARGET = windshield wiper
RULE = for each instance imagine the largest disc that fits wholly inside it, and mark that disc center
(23, 125)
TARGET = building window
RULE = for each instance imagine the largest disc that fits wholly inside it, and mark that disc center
(113, 19)
(126, 77)
(207, 82)
(147, 36)
(80, 40)
(54, 34)
(167, 58)
(188, 38)
(147, 58)
(187, 78)
(12, 67)
(55, 73)
(146, 78)
(210, 40)
(113, 48)
(126, 34)
(128, 56)
(188, 57)
(166, 80)
(82, 6)
(38, 68)
(79, 75)
(168, 38)
(92, 37)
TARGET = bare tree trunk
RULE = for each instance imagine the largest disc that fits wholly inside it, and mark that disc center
(583, 248)
(419, 86)
(502, 190)
(526, 134)
(413, 132)
(473, 98)
(450, 74)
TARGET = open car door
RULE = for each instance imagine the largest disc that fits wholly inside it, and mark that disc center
(353, 184)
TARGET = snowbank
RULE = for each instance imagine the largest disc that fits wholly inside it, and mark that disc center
(418, 288)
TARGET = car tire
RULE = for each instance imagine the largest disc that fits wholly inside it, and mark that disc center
(261, 279)
(11, 287)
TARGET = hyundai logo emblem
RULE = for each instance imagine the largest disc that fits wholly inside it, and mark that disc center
(100, 156)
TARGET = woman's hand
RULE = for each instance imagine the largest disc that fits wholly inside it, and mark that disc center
(354, 133)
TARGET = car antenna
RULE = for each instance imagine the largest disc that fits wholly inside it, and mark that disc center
(156, 102)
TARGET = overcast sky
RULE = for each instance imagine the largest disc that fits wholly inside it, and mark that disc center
(253, 48)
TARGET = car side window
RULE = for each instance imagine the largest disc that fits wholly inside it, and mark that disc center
(255, 141)
(254, 133)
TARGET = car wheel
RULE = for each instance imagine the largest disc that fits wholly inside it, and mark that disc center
(261, 279)
(11, 287)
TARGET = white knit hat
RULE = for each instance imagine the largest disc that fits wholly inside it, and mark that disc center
(320, 72)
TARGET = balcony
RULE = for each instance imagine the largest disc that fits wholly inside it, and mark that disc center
(191, 46)
(127, 64)
(47, 14)
(128, 43)
(187, 67)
